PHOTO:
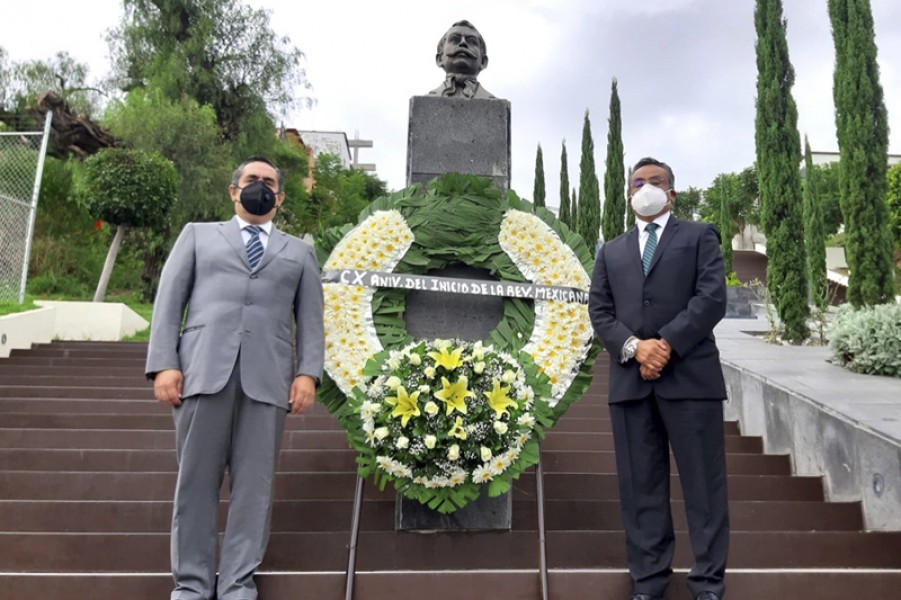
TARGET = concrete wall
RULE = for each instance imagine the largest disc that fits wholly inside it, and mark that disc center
(21, 330)
(97, 321)
(57, 320)
(856, 463)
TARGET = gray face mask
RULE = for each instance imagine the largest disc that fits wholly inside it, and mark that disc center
(649, 200)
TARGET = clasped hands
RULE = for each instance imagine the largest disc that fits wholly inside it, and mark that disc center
(652, 355)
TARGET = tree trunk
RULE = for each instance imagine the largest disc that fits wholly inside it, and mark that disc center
(108, 265)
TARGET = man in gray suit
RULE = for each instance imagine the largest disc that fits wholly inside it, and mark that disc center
(251, 350)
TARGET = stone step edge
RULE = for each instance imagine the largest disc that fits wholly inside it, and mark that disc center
(264, 573)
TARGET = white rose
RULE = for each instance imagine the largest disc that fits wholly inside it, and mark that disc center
(479, 368)
(402, 442)
(430, 441)
(453, 453)
(380, 433)
(430, 372)
(431, 408)
(507, 377)
(415, 360)
(485, 453)
(424, 389)
(500, 427)
(393, 382)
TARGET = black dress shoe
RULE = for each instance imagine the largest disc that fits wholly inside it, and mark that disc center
(707, 596)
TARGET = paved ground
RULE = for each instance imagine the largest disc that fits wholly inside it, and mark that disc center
(871, 402)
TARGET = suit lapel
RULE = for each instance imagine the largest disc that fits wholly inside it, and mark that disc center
(634, 250)
(231, 231)
(668, 234)
(277, 242)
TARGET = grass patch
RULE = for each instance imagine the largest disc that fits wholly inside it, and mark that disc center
(11, 308)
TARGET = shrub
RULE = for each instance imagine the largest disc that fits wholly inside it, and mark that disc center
(732, 280)
(868, 340)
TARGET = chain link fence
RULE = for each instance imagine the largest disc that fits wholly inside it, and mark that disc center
(21, 163)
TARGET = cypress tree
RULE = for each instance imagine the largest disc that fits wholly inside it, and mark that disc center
(538, 193)
(589, 194)
(614, 175)
(814, 237)
(861, 124)
(565, 212)
(726, 223)
(893, 200)
(574, 211)
(778, 171)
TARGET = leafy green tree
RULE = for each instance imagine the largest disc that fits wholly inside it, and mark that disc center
(614, 175)
(565, 206)
(893, 200)
(861, 123)
(687, 204)
(339, 194)
(292, 160)
(589, 194)
(127, 188)
(222, 53)
(538, 193)
(6, 96)
(188, 135)
(61, 74)
(741, 192)
(778, 148)
(814, 239)
(727, 191)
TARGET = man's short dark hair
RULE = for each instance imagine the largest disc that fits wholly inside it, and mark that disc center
(236, 175)
(653, 161)
(462, 24)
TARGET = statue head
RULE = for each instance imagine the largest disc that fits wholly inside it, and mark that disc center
(461, 50)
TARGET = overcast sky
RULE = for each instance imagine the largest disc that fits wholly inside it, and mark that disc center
(686, 72)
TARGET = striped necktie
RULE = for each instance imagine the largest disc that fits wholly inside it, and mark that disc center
(254, 246)
(649, 247)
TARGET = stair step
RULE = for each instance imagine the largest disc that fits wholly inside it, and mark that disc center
(377, 514)
(41, 485)
(21, 437)
(390, 551)
(452, 585)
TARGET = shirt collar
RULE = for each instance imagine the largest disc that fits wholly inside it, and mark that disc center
(264, 227)
(661, 222)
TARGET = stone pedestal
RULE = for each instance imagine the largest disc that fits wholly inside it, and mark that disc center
(471, 137)
(483, 514)
(449, 135)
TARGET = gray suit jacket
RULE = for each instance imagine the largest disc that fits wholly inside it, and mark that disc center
(232, 309)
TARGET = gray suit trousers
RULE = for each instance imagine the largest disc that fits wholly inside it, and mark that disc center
(214, 432)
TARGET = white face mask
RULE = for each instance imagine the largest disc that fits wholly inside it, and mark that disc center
(649, 200)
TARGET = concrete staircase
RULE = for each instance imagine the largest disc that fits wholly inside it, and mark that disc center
(87, 469)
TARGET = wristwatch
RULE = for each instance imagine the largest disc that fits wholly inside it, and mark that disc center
(629, 349)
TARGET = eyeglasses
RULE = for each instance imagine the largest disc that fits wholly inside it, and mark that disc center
(269, 182)
(657, 181)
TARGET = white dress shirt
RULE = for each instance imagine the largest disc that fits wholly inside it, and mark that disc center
(661, 222)
(265, 230)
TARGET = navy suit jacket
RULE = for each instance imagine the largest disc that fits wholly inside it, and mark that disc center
(681, 300)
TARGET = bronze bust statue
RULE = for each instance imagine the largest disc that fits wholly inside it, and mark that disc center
(462, 55)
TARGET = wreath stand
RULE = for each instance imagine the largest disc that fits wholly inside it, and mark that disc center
(355, 531)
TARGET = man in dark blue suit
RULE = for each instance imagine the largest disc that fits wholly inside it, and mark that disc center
(656, 294)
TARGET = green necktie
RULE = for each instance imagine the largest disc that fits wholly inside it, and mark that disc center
(649, 247)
